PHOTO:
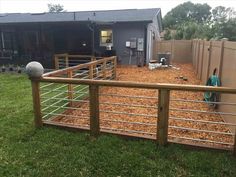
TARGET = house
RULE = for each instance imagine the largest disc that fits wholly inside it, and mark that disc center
(128, 34)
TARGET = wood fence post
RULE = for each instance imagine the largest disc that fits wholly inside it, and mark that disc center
(56, 62)
(114, 67)
(91, 71)
(36, 102)
(70, 89)
(197, 57)
(104, 69)
(67, 60)
(94, 110)
(221, 56)
(193, 53)
(209, 60)
(92, 58)
(163, 116)
(172, 49)
(234, 148)
(203, 46)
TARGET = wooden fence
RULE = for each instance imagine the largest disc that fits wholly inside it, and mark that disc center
(71, 83)
(208, 55)
(181, 50)
(65, 60)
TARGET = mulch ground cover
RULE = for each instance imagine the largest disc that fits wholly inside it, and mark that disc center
(134, 111)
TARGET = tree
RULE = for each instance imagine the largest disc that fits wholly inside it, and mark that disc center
(223, 21)
(197, 21)
(222, 14)
(167, 35)
(187, 12)
(228, 29)
(55, 8)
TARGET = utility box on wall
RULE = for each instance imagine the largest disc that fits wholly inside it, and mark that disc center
(133, 43)
(140, 46)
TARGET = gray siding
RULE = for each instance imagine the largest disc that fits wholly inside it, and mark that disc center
(123, 32)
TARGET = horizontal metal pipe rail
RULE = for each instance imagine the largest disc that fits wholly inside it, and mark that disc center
(100, 72)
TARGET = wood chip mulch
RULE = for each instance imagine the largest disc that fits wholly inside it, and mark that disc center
(147, 123)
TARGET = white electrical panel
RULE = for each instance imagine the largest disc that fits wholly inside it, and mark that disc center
(133, 43)
(140, 46)
(127, 44)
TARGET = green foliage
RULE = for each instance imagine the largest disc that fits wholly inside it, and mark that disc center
(228, 29)
(167, 35)
(25, 151)
(187, 12)
(197, 21)
(55, 8)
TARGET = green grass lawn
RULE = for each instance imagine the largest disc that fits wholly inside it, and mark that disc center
(25, 151)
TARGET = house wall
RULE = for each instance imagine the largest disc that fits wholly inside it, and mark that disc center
(122, 32)
(54, 38)
(152, 36)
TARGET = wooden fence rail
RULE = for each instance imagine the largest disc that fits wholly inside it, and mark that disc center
(95, 85)
(65, 60)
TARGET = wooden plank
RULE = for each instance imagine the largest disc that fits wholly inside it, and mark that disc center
(202, 61)
(191, 145)
(36, 103)
(65, 70)
(221, 57)
(70, 89)
(128, 84)
(234, 150)
(115, 67)
(209, 60)
(230, 45)
(91, 71)
(163, 116)
(56, 62)
(103, 69)
(67, 61)
(94, 110)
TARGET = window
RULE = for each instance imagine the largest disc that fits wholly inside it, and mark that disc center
(106, 37)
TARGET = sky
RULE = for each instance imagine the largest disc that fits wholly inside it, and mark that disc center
(35, 6)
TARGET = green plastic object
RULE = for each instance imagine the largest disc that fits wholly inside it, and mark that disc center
(212, 96)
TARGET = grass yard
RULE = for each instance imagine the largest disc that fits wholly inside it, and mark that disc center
(25, 151)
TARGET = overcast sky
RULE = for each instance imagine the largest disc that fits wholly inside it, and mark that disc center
(33, 6)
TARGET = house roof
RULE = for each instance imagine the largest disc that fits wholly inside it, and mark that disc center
(96, 16)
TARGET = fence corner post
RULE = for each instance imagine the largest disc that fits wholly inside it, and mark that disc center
(163, 116)
(94, 110)
(35, 71)
(70, 89)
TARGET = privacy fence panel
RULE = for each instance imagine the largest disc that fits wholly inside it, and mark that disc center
(215, 56)
(208, 55)
(228, 77)
(205, 62)
(181, 50)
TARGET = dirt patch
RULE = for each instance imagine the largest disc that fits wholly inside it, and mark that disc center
(134, 111)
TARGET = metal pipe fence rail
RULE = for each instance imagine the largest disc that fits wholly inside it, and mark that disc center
(86, 97)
